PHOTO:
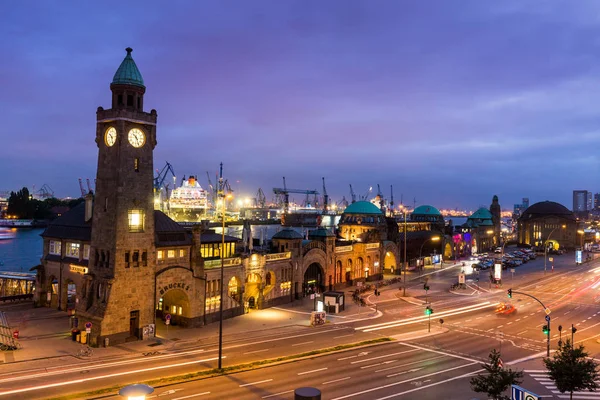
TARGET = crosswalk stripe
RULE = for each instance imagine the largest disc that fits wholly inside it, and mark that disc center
(534, 371)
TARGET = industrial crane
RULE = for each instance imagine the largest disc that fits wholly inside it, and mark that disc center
(159, 183)
(285, 192)
(325, 197)
(261, 199)
(392, 199)
(81, 188)
(380, 195)
(352, 194)
(213, 192)
(45, 192)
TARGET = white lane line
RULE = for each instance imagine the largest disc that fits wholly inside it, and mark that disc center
(405, 372)
(409, 380)
(335, 380)
(310, 372)
(300, 344)
(439, 352)
(255, 383)
(410, 363)
(256, 351)
(338, 337)
(520, 333)
(191, 395)
(277, 394)
(384, 356)
(94, 378)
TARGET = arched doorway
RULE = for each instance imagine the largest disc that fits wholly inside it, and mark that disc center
(234, 289)
(338, 271)
(349, 271)
(314, 279)
(252, 290)
(359, 273)
(71, 294)
(389, 262)
(176, 303)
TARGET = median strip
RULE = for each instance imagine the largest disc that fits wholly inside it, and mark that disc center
(209, 373)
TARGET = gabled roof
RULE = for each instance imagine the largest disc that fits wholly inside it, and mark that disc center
(168, 232)
(70, 225)
(287, 233)
(128, 73)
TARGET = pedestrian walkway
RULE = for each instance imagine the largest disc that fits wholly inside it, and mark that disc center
(542, 377)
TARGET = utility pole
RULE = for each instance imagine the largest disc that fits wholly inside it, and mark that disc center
(404, 264)
(546, 328)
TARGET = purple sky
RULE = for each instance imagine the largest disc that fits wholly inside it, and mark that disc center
(450, 102)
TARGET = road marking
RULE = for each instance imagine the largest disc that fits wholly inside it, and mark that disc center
(387, 355)
(310, 372)
(300, 344)
(520, 333)
(335, 380)
(94, 378)
(255, 383)
(439, 352)
(277, 394)
(410, 380)
(338, 337)
(191, 395)
(364, 353)
(410, 363)
(256, 351)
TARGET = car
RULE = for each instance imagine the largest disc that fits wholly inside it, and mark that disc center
(505, 309)
(498, 250)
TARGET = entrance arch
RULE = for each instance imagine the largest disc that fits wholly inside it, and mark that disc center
(176, 303)
(389, 262)
(253, 289)
(314, 278)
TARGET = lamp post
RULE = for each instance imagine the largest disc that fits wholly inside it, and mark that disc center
(221, 194)
(546, 246)
(404, 264)
(433, 239)
(582, 233)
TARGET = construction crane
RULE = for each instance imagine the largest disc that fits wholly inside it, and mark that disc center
(261, 199)
(352, 194)
(392, 199)
(325, 197)
(342, 203)
(89, 186)
(380, 195)
(285, 192)
(45, 192)
(81, 188)
(159, 183)
(213, 192)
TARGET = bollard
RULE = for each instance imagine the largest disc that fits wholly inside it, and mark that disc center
(307, 393)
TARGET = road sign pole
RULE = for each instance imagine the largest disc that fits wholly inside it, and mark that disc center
(429, 324)
(548, 338)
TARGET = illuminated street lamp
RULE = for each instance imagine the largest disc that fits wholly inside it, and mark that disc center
(433, 239)
(582, 233)
(221, 194)
(136, 391)
(404, 263)
(546, 246)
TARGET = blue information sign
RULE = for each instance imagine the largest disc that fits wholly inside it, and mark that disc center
(578, 256)
(518, 393)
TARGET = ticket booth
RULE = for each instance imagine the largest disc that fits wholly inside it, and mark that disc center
(333, 302)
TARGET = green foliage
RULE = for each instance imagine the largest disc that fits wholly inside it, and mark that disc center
(496, 380)
(571, 370)
(22, 206)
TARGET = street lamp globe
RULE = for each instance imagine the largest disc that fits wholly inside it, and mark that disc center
(137, 391)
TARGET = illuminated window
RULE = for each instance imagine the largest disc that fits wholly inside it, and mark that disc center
(179, 310)
(173, 309)
(160, 254)
(86, 251)
(72, 250)
(136, 164)
(171, 254)
(55, 247)
(136, 220)
(181, 253)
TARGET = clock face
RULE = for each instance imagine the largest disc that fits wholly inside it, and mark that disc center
(110, 137)
(136, 137)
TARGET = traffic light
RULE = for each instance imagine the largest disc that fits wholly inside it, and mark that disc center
(510, 293)
(425, 287)
(545, 330)
(428, 310)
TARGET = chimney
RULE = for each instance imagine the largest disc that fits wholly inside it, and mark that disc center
(89, 203)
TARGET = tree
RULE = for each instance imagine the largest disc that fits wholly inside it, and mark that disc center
(497, 379)
(571, 370)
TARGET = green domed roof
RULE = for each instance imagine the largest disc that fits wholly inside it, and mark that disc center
(362, 207)
(320, 232)
(482, 213)
(128, 73)
(426, 210)
(287, 233)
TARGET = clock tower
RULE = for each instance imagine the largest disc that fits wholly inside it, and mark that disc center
(119, 289)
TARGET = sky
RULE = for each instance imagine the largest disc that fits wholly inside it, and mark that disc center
(451, 102)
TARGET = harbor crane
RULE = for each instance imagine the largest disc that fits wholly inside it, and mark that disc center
(81, 188)
(352, 194)
(380, 195)
(285, 192)
(392, 199)
(325, 197)
(261, 199)
(44, 192)
(159, 182)
(89, 185)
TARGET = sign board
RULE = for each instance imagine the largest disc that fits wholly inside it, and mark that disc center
(168, 317)
(547, 311)
(498, 271)
(518, 393)
(512, 270)
(578, 256)
(547, 318)
(88, 325)
(461, 279)
(167, 322)
(88, 330)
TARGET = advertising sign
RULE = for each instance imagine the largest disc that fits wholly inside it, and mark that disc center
(578, 256)
(436, 259)
(518, 393)
(498, 271)
(461, 279)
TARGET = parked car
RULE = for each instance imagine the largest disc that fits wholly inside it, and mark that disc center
(498, 250)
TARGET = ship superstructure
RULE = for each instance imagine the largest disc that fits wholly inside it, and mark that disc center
(189, 199)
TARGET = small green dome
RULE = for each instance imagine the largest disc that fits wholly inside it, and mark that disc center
(320, 232)
(426, 210)
(128, 73)
(482, 213)
(362, 207)
(288, 233)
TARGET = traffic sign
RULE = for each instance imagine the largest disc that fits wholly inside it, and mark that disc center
(168, 317)
(88, 325)
(518, 393)
(461, 279)
(547, 318)
(547, 311)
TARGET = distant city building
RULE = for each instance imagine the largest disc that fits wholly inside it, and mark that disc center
(520, 208)
(582, 203)
(597, 201)
(590, 201)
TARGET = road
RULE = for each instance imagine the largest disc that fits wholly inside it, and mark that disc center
(437, 366)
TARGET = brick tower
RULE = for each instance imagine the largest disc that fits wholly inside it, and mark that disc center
(119, 291)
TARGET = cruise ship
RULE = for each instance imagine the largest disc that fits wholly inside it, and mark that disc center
(189, 201)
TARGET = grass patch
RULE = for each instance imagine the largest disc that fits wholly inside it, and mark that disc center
(209, 373)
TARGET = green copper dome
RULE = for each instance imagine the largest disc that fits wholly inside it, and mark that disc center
(128, 73)
(426, 210)
(482, 213)
(362, 207)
